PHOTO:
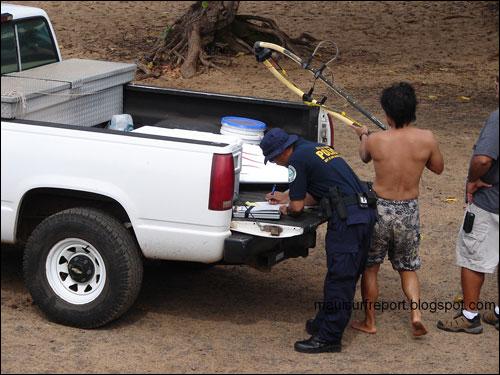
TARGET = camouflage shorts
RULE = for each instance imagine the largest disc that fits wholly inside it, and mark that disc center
(397, 232)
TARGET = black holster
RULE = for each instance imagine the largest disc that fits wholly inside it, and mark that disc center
(370, 195)
(333, 201)
(325, 208)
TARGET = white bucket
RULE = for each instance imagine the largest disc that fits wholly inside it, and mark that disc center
(248, 130)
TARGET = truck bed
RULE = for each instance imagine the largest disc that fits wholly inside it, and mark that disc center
(202, 111)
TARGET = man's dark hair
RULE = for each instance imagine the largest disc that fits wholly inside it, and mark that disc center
(400, 103)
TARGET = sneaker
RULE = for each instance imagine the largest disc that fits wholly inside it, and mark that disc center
(461, 324)
(491, 318)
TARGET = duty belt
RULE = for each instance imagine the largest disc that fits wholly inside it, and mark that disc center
(363, 200)
(338, 202)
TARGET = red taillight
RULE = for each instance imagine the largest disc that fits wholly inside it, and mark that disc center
(221, 183)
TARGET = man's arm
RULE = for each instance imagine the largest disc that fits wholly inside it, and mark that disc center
(479, 166)
(294, 208)
(436, 161)
(485, 152)
(362, 132)
(284, 197)
(364, 150)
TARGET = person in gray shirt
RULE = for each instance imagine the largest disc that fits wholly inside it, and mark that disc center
(477, 245)
(484, 190)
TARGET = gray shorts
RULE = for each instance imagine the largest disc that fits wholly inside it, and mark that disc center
(397, 233)
(478, 250)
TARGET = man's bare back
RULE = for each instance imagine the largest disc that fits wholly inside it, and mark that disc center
(399, 157)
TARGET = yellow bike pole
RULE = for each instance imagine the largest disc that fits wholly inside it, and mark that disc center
(300, 93)
(339, 91)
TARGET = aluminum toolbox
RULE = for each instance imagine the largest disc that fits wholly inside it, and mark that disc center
(21, 96)
(73, 92)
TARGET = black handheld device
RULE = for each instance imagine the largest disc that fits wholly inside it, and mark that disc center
(468, 222)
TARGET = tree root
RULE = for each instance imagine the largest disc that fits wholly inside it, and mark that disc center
(207, 63)
(145, 72)
(211, 31)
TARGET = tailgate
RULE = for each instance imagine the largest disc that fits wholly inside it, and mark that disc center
(262, 249)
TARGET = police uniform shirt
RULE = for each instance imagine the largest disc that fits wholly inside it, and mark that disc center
(314, 168)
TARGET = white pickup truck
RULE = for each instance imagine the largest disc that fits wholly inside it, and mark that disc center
(89, 203)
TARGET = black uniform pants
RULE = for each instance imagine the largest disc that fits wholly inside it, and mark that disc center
(346, 250)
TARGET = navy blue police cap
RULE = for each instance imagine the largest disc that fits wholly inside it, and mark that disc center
(276, 141)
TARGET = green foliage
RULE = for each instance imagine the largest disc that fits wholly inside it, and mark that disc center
(165, 32)
(204, 4)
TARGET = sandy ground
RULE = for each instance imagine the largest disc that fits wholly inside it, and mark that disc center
(236, 319)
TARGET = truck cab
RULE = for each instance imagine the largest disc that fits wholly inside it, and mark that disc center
(28, 39)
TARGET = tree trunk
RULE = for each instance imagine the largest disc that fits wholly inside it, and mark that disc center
(190, 65)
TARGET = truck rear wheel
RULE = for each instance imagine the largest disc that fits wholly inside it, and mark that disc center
(82, 268)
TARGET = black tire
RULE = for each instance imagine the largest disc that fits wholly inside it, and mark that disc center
(115, 284)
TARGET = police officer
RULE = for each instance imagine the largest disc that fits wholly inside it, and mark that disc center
(317, 174)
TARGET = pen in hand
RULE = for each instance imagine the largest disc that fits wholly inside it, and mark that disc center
(270, 197)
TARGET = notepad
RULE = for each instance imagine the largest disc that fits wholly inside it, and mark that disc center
(258, 210)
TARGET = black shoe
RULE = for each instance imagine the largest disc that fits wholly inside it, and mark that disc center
(312, 328)
(315, 345)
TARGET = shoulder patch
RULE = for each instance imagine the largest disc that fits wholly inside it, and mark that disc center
(292, 174)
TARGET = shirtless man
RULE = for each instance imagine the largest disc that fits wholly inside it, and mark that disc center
(399, 155)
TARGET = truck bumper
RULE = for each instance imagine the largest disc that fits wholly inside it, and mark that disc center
(263, 252)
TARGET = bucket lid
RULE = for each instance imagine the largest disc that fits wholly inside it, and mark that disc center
(243, 123)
